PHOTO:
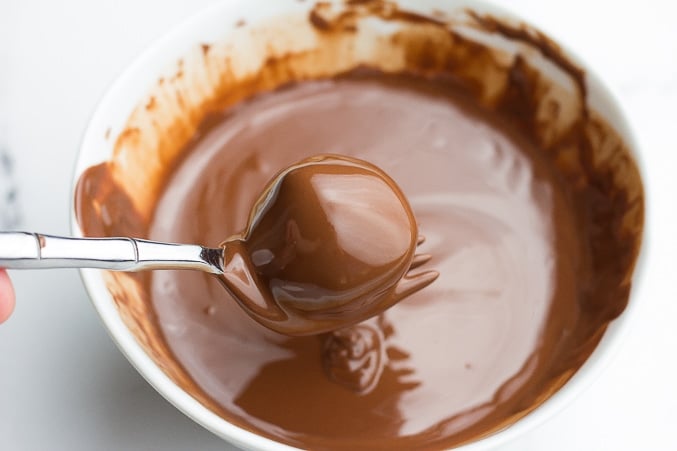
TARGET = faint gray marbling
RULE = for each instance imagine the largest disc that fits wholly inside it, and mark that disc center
(10, 216)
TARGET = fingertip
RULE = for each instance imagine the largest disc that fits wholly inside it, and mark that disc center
(7, 296)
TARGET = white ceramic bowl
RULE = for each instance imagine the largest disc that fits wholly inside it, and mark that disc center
(214, 25)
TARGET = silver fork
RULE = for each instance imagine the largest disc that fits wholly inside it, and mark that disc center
(28, 250)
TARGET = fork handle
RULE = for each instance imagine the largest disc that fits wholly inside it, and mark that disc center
(26, 250)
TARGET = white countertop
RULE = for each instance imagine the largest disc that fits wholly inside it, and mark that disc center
(63, 383)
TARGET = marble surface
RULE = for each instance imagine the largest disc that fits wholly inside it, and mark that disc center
(63, 383)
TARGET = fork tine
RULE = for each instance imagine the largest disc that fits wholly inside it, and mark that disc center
(420, 240)
(419, 260)
(411, 283)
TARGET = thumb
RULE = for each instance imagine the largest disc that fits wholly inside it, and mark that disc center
(7, 299)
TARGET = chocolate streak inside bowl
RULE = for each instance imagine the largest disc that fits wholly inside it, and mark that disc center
(531, 204)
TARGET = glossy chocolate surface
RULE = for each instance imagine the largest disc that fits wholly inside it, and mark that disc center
(445, 363)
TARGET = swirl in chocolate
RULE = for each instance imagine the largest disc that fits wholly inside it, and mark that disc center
(355, 356)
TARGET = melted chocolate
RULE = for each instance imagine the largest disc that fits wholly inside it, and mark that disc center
(444, 364)
(531, 204)
(327, 245)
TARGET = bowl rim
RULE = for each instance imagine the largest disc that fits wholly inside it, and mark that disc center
(92, 279)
